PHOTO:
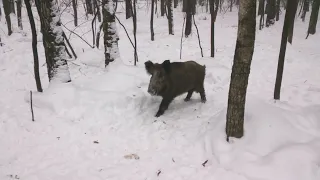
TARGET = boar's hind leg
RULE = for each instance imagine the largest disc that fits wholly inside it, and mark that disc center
(163, 106)
(189, 95)
(202, 94)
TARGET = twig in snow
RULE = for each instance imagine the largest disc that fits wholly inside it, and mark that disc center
(31, 106)
(194, 21)
(182, 35)
(204, 164)
(159, 172)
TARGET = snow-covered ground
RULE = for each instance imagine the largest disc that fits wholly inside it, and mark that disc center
(102, 125)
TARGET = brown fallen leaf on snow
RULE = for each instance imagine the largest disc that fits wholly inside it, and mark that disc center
(131, 156)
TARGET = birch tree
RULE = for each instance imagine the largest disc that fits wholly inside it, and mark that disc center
(241, 68)
(110, 31)
(53, 41)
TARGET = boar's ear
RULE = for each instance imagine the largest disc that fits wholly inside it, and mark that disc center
(149, 67)
(166, 66)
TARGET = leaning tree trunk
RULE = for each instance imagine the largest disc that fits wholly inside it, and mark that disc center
(151, 20)
(271, 12)
(286, 26)
(75, 12)
(241, 68)
(19, 5)
(213, 12)
(7, 11)
(314, 17)
(34, 46)
(53, 41)
(170, 16)
(305, 10)
(110, 32)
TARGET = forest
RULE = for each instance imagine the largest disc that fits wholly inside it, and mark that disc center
(159, 89)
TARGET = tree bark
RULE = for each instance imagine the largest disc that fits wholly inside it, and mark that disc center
(110, 32)
(305, 10)
(189, 8)
(286, 25)
(162, 7)
(128, 9)
(75, 12)
(291, 24)
(271, 12)
(151, 20)
(7, 11)
(34, 46)
(170, 17)
(241, 68)
(314, 17)
(19, 5)
(213, 13)
(53, 42)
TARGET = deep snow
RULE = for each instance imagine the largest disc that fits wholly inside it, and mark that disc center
(89, 129)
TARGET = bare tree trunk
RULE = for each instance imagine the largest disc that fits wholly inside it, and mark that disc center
(286, 25)
(213, 12)
(305, 10)
(241, 68)
(75, 12)
(261, 13)
(231, 5)
(189, 7)
(12, 9)
(162, 7)
(314, 17)
(151, 19)
(110, 32)
(271, 12)
(96, 5)
(175, 5)
(19, 5)
(34, 46)
(170, 16)
(53, 42)
(277, 10)
(89, 6)
(128, 9)
(7, 11)
(291, 24)
(134, 19)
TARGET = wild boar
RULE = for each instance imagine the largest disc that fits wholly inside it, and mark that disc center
(172, 79)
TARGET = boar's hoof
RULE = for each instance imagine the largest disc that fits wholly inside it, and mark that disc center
(186, 99)
(159, 113)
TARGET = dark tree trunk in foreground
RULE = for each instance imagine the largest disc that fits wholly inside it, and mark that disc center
(189, 7)
(271, 12)
(19, 5)
(170, 16)
(286, 25)
(151, 19)
(241, 68)
(128, 9)
(314, 17)
(7, 11)
(34, 46)
(110, 33)
(53, 42)
(214, 4)
(75, 12)
(305, 9)
(12, 9)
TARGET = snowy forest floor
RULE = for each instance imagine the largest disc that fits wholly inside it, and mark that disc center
(88, 129)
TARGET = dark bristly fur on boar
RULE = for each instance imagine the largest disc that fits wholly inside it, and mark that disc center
(170, 80)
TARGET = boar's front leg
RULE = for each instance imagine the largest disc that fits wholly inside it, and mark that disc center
(163, 106)
(189, 95)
